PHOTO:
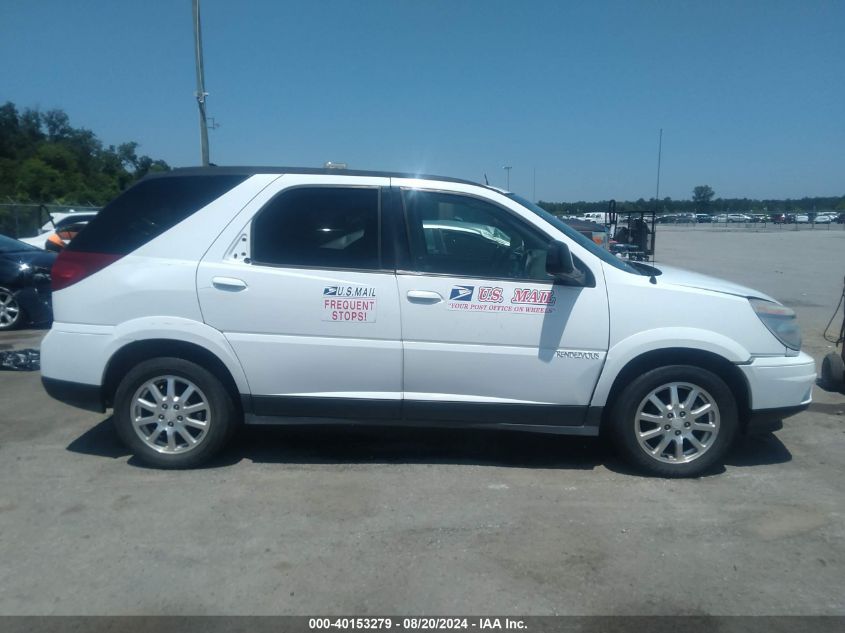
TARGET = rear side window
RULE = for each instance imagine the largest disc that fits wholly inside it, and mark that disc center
(148, 209)
(319, 227)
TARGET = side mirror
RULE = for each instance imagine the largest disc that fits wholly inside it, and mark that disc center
(559, 261)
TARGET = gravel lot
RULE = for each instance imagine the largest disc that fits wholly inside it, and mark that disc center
(437, 522)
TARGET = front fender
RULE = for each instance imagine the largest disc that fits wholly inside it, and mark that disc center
(626, 350)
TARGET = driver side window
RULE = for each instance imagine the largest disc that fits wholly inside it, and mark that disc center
(463, 236)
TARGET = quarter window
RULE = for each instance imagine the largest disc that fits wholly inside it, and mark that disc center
(464, 236)
(320, 227)
(148, 209)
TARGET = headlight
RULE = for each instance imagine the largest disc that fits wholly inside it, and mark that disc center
(780, 320)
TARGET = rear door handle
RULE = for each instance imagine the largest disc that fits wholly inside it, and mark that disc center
(229, 284)
(424, 296)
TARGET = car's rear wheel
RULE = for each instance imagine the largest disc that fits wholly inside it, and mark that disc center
(11, 314)
(675, 421)
(173, 413)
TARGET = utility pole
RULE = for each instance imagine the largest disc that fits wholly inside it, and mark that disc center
(201, 94)
(659, 156)
(508, 169)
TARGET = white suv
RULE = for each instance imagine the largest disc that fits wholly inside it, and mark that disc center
(201, 299)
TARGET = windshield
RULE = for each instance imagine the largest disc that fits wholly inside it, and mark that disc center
(10, 245)
(602, 253)
(74, 219)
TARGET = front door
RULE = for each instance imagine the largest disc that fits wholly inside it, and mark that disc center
(488, 335)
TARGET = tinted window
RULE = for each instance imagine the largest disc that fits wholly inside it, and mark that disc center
(460, 235)
(602, 253)
(321, 227)
(149, 209)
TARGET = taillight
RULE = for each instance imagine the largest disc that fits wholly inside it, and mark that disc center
(73, 266)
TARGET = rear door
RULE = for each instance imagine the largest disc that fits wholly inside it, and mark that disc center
(488, 334)
(303, 287)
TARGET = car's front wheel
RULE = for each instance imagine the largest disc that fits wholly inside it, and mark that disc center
(675, 421)
(173, 413)
(11, 315)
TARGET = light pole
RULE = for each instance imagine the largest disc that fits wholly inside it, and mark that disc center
(508, 168)
(201, 94)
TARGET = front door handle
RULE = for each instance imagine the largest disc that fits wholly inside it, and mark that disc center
(229, 284)
(424, 296)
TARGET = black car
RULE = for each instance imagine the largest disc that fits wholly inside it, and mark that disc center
(24, 284)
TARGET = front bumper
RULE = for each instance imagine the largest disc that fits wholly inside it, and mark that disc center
(36, 303)
(769, 420)
(780, 382)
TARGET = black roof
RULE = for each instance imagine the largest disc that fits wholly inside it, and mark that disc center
(250, 171)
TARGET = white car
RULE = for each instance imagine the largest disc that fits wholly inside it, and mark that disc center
(202, 299)
(802, 218)
(58, 222)
(822, 219)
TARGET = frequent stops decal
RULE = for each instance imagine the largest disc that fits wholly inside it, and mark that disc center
(496, 299)
(349, 304)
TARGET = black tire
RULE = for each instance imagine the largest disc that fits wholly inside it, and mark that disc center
(222, 412)
(622, 423)
(8, 322)
(833, 371)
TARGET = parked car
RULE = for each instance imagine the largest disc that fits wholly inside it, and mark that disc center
(64, 226)
(703, 218)
(676, 218)
(720, 217)
(24, 284)
(822, 218)
(802, 218)
(599, 217)
(201, 299)
(738, 217)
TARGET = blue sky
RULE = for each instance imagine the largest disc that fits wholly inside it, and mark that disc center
(750, 95)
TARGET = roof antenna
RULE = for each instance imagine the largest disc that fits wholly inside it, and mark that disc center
(486, 182)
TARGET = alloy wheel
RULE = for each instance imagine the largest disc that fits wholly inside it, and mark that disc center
(677, 423)
(10, 310)
(170, 414)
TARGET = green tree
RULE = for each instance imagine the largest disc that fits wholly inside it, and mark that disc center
(701, 197)
(43, 158)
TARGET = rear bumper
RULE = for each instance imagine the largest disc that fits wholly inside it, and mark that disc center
(76, 394)
(780, 383)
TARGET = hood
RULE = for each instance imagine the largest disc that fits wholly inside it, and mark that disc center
(681, 277)
(35, 258)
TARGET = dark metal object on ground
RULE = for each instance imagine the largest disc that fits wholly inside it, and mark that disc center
(833, 365)
(20, 360)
